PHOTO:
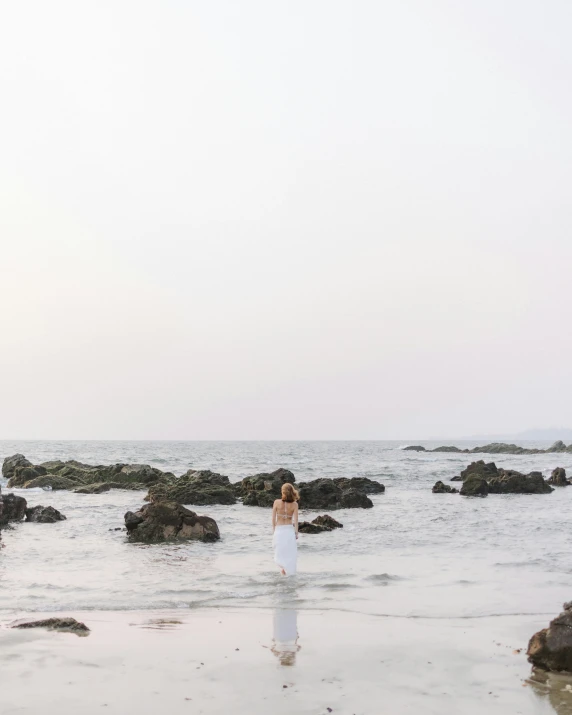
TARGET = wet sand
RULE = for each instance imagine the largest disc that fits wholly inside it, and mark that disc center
(284, 661)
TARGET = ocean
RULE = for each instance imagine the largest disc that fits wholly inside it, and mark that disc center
(414, 555)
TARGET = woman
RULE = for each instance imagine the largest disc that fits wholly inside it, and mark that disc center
(285, 529)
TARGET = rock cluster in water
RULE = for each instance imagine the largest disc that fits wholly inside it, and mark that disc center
(73, 475)
(168, 521)
(69, 625)
(200, 487)
(319, 524)
(440, 488)
(481, 479)
(551, 648)
(495, 448)
(14, 508)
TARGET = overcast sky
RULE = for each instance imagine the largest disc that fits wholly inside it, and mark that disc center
(284, 220)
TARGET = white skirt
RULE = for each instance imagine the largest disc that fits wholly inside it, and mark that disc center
(285, 548)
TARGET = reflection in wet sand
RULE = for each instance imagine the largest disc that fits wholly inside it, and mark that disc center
(554, 687)
(285, 640)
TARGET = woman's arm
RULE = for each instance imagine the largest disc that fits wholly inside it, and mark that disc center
(295, 515)
(273, 517)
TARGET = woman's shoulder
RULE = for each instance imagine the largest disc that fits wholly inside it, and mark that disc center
(277, 501)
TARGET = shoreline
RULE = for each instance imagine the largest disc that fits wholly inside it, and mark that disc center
(213, 660)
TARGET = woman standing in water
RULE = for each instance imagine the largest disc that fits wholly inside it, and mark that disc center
(285, 528)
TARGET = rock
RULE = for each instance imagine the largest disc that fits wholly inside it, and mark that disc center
(44, 515)
(365, 485)
(558, 478)
(93, 488)
(558, 446)
(319, 524)
(454, 450)
(511, 482)
(263, 489)
(475, 486)
(10, 464)
(168, 521)
(53, 481)
(325, 494)
(486, 471)
(327, 522)
(458, 478)
(551, 648)
(440, 488)
(14, 508)
(23, 474)
(139, 474)
(504, 448)
(67, 625)
(195, 487)
(414, 448)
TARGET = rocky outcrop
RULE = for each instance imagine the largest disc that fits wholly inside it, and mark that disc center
(198, 487)
(558, 478)
(74, 475)
(98, 488)
(511, 482)
(66, 625)
(499, 448)
(363, 484)
(44, 515)
(14, 508)
(319, 524)
(11, 463)
(440, 488)
(168, 521)
(475, 486)
(263, 489)
(481, 469)
(326, 494)
(551, 648)
(414, 448)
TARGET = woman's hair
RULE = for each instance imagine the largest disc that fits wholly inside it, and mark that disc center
(289, 493)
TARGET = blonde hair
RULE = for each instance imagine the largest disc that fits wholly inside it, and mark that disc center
(289, 493)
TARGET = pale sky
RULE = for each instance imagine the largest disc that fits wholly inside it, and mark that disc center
(284, 220)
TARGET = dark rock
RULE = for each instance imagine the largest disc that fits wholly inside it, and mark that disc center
(319, 525)
(453, 450)
(551, 648)
(44, 515)
(327, 522)
(365, 485)
(558, 478)
(558, 446)
(14, 508)
(263, 489)
(168, 521)
(414, 448)
(475, 486)
(22, 474)
(53, 481)
(440, 488)
(458, 478)
(512, 482)
(67, 625)
(504, 448)
(486, 471)
(325, 494)
(10, 464)
(195, 487)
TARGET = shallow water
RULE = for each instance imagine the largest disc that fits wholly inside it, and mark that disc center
(415, 554)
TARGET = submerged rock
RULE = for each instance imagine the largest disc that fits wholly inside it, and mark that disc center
(319, 524)
(93, 488)
(414, 448)
(44, 515)
(13, 508)
(200, 487)
(168, 521)
(475, 486)
(558, 478)
(551, 648)
(326, 494)
(263, 489)
(66, 625)
(453, 450)
(440, 488)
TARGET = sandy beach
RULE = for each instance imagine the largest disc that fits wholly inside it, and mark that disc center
(250, 660)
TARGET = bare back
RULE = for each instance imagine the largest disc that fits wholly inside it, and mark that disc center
(285, 511)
